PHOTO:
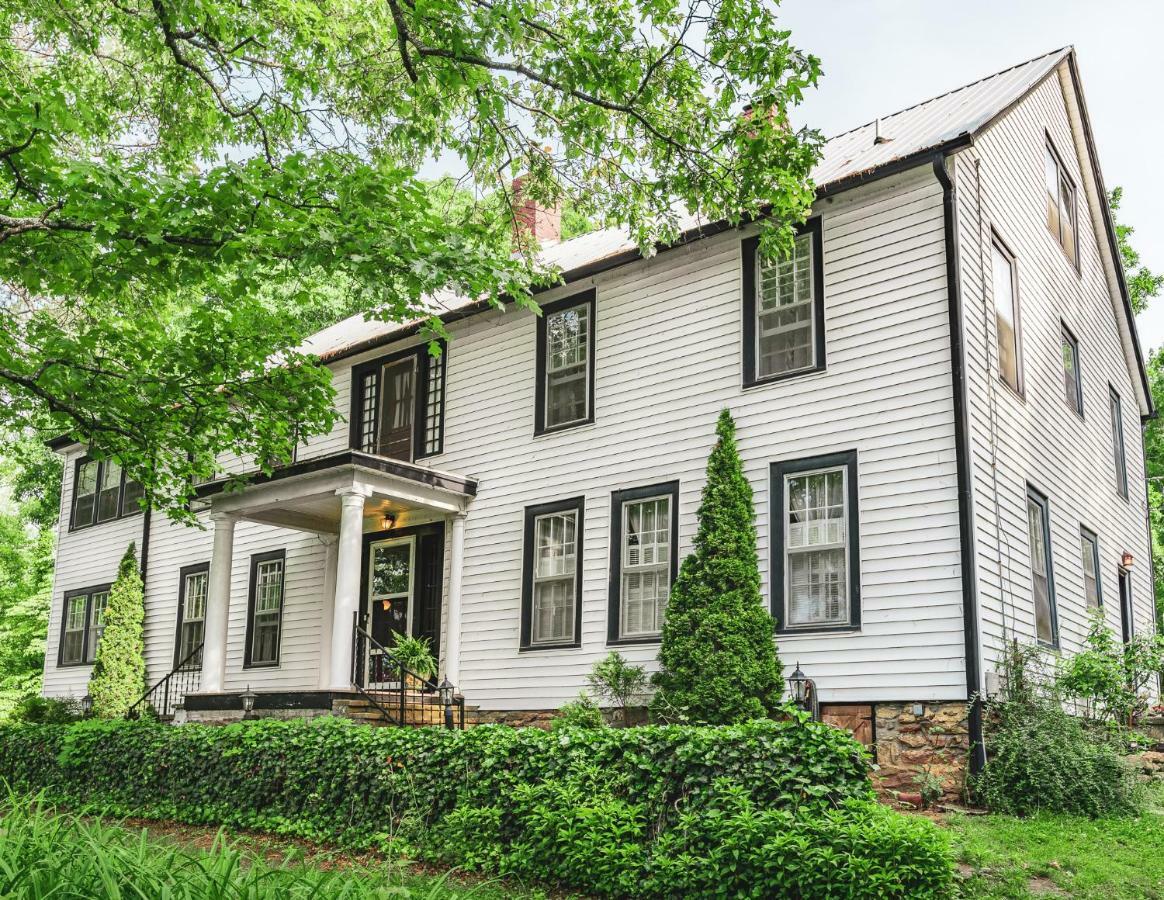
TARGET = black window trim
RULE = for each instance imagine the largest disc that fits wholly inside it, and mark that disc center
(527, 558)
(1127, 607)
(1116, 411)
(1076, 264)
(749, 249)
(424, 362)
(589, 298)
(184, 573)
(88, 593)
(1034, 494)
(998, 241)
(122, 512)
(618, 499)
(1087, 534)
(256, 560)
(776, 513)
(1070, 337)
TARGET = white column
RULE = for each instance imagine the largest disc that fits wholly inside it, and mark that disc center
(327, 610)
(218, 605)
(347, 586)
(453, 619)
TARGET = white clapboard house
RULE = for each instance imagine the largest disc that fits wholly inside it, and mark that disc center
(938, 397)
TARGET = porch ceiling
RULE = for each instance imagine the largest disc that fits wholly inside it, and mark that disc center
(305, 495)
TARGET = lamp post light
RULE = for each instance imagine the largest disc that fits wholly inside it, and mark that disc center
(803, 690)
(86, 706)
(445, 689)
(248, 702)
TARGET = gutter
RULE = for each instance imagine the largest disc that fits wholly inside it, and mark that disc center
(962, 454)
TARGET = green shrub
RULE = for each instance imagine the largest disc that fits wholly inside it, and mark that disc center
(718, 652)
(45, 710)
(580, 713)
(1110, 681)
(622, 685)
(119, 674)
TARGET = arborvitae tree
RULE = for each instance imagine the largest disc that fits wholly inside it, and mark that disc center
(718, 653)
(118, 678)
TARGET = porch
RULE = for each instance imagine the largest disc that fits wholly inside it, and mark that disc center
(386, 526)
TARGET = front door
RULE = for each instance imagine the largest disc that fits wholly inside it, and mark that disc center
(396, 412)
(391, 566)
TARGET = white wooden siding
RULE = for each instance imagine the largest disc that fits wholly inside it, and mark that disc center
(1038, 439)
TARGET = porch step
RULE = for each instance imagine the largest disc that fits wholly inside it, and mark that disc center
(418, 711)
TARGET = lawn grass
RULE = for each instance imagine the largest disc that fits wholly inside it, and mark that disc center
(49, 853)
(1048, 855)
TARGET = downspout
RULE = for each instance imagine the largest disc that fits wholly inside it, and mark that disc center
(145, 546)
(962, 454)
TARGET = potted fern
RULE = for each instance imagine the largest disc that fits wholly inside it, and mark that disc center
(415, 654)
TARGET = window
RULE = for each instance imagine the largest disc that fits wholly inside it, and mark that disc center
(1042, 581)
(552, 575)
(1072, 383)
(82, 624)
(1117, 444)
(1006, 316)
(784, 309)
(1060, 204)
(1127, 620)
(193, 586)
(101, 493)
(265, 604)
(565, 364)
(644, 559)
(398, 405)
(816, 582)
(1089, 551)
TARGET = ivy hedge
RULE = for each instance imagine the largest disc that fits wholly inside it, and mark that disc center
(645, 812)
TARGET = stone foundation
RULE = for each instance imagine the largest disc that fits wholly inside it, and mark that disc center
(227, 716)
(912, 739)
(516, 718)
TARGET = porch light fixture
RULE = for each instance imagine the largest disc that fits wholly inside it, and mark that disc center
(388, 521)
(1127, 559)
(803, 690)
(86, 706)
(248, 702)
(445, 689)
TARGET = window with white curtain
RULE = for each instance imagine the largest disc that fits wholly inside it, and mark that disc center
(554, 578)
(98, 601)
(645, 576)
(816, 548)
(785, 318)
(193, 592)
(266, 604)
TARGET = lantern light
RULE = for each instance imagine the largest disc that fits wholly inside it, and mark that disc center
(86, 706)
(248, 702)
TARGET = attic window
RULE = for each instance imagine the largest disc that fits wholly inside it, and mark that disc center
(1061, 210)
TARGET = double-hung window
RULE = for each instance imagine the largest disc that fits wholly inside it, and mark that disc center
(1006, 318)
(552, 575)
(815, 554)
(1061, 210)
(1119, 454)
(644, 559)
(398, 405)
(1089, 556)
(1042, 579)
(1072, 382)
(565, 363)
(193, 586)
(265, 608)
(82, 624)
(784, 309)
(101, 493)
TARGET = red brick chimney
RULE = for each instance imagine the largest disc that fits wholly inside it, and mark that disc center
(544, 225)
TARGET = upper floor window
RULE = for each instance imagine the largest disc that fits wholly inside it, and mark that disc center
(552, 575)
(784, 309)
(1089, 554)
(193, 585)
(1117, 445)
(1061, 212)
(815, 556)
(82, 624)
(265, 609)
(1006, 315)
(565, 363)
(1042, 581)
(1072, 381)
(644, 559)
(101, 492)
(398, 405)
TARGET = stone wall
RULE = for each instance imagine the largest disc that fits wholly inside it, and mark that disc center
(516, 718)
(914, 738)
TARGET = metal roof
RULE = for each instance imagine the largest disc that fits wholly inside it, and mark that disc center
(929, 125)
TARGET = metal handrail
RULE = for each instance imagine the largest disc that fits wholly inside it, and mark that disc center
(163, 684)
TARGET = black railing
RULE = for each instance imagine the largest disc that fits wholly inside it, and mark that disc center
(399, 695)
(164, 697)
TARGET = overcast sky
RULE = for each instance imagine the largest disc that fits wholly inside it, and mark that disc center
(883, 55)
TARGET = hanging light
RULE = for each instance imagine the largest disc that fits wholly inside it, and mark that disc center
(248, 702)
(388, 521)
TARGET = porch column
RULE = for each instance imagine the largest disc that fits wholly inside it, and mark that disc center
(327, 614)
(347, 586)
(218, 604)
(453, 635)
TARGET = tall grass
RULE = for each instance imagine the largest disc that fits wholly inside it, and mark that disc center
(47, 853)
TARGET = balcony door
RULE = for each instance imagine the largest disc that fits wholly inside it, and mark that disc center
(397, 411)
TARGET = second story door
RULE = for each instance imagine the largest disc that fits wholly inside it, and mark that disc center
(398, 381)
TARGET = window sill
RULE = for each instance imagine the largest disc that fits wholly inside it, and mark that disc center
(812, 630)
(248, 666)
(786, 376)
(76, 665)
(558, 429)
(1017, 395)
(634, 641)
(121, 518)
(537, 648)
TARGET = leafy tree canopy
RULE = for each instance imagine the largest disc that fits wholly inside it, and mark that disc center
(182, 180)
(1143, 283)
